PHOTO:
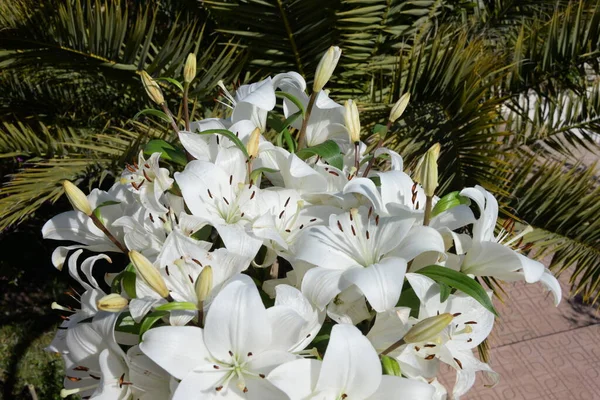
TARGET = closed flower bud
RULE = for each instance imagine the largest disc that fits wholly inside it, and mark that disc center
(112, 303)
(152, 88)
(252, 146)
(325, 68)
(426, 172)
(428, 329)
(399, 107)
(77, 198)
(146, 271)
(204, 283)
(352, 121)
(189, 70)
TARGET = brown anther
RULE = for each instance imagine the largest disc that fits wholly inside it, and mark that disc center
(250, 354)
(287, 202)
(353, 230)
(309, 335)
(333, 173)
(417, 348)
(218, 388)
(470, 322)
(313, 220)
(230, 179)
(414, 197)
(73, 378)
(146, 176)
(191, 279)
(231, 353)
(164, 221)
(469, 340)
(367, 235)
(137, 186)
(209, 193)
(225, 200)
(151, 217)
(216, 367)
(253, 194)
(414, 187)
(245, 390)
(417, 205)
(377, 220)
(351, 217)
(370, 212)
(147, 165)
(456, 314)
(262, 375)
(95, 377)
(242, 215)
(130, 168)
(340, 226)
(429, 345)
(458, 362)
(135, 165)
(281, 214)
(288, 230)
(301, 226)
(81, 368)
(344, 396)
(430, 357)
(167, 270)
(197, 262)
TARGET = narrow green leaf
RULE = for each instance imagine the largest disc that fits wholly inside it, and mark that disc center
(127, 324)
(328, 151)
(128, 283)
(202, 233)
(154, 113)
(177, 305)
(459, 281)
(229, 135)
(408, 298)
(380, 130)
(167, 150)
(172, 81)
(449, 201)
(444, 292)
(150, 320)
(390, 366)
(293, 99)
(257, 172)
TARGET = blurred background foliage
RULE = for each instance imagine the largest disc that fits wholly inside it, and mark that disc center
(510, 88)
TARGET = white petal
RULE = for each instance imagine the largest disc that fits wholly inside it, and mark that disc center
(237, 240)
(177, 349)
(321, 285)
(397, 163)
(196, 145)
(551, 284)
(393, 386)
(419, 240)
(389, 327)
(297, 379)
(349, 307)
(202, 385)
(367, 188)
(351, 365)
(380, 283)
(237, 321)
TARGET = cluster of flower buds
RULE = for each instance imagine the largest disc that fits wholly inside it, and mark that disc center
(312, 266)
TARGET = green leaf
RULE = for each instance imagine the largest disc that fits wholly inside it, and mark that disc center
(390, 366)
(408, 298)
(459, 281)
(449, 201)
(328, 151)
(171, 81)
(293, 99)
(154, 113)
(127, 324)
(167, 150)
(97, 213)
(444, 292)
(150, 320)
(229, 135)
(258, 171)
(177, 305)
(202, 233)
(128, 283)
(380, 130)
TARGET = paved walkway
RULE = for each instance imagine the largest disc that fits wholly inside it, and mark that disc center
(542, 352)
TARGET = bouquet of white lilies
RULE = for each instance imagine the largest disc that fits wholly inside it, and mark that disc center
(308, 266)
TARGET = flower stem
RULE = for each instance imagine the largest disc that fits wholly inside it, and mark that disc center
(378, 145)
(393, 347)
(428, 207)
(356, 157)
(302, 134)
(186, 112)
(170, 115)
(113, 239)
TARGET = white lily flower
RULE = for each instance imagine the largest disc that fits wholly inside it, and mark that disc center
(489, 257)
(350, 369)
(220, 195)
(230, 357)
(149, 181)
(472, 323)
(251, 102)
(360, 248)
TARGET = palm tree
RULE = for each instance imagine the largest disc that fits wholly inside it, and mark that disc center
(509, 88)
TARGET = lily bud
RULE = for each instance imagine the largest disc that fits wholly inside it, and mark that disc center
(252, 146)
(152, 88)
(189, 70)
(352, 121)
(399, 107)
(326, 66)
(428, 329)
(204, 283)
(426, 172)
(113, 303)
(146, 271)
(77, 198)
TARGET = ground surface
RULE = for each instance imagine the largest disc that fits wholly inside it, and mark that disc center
(542, 352)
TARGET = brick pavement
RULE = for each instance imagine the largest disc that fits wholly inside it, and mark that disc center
(542, 352)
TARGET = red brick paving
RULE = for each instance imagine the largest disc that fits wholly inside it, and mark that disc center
(542, 352)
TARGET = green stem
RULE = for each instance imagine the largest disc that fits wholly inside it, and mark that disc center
(186, 112)
(302, 134)
(170, 115)
(378, 145)
(428, 207)
(393, 347)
